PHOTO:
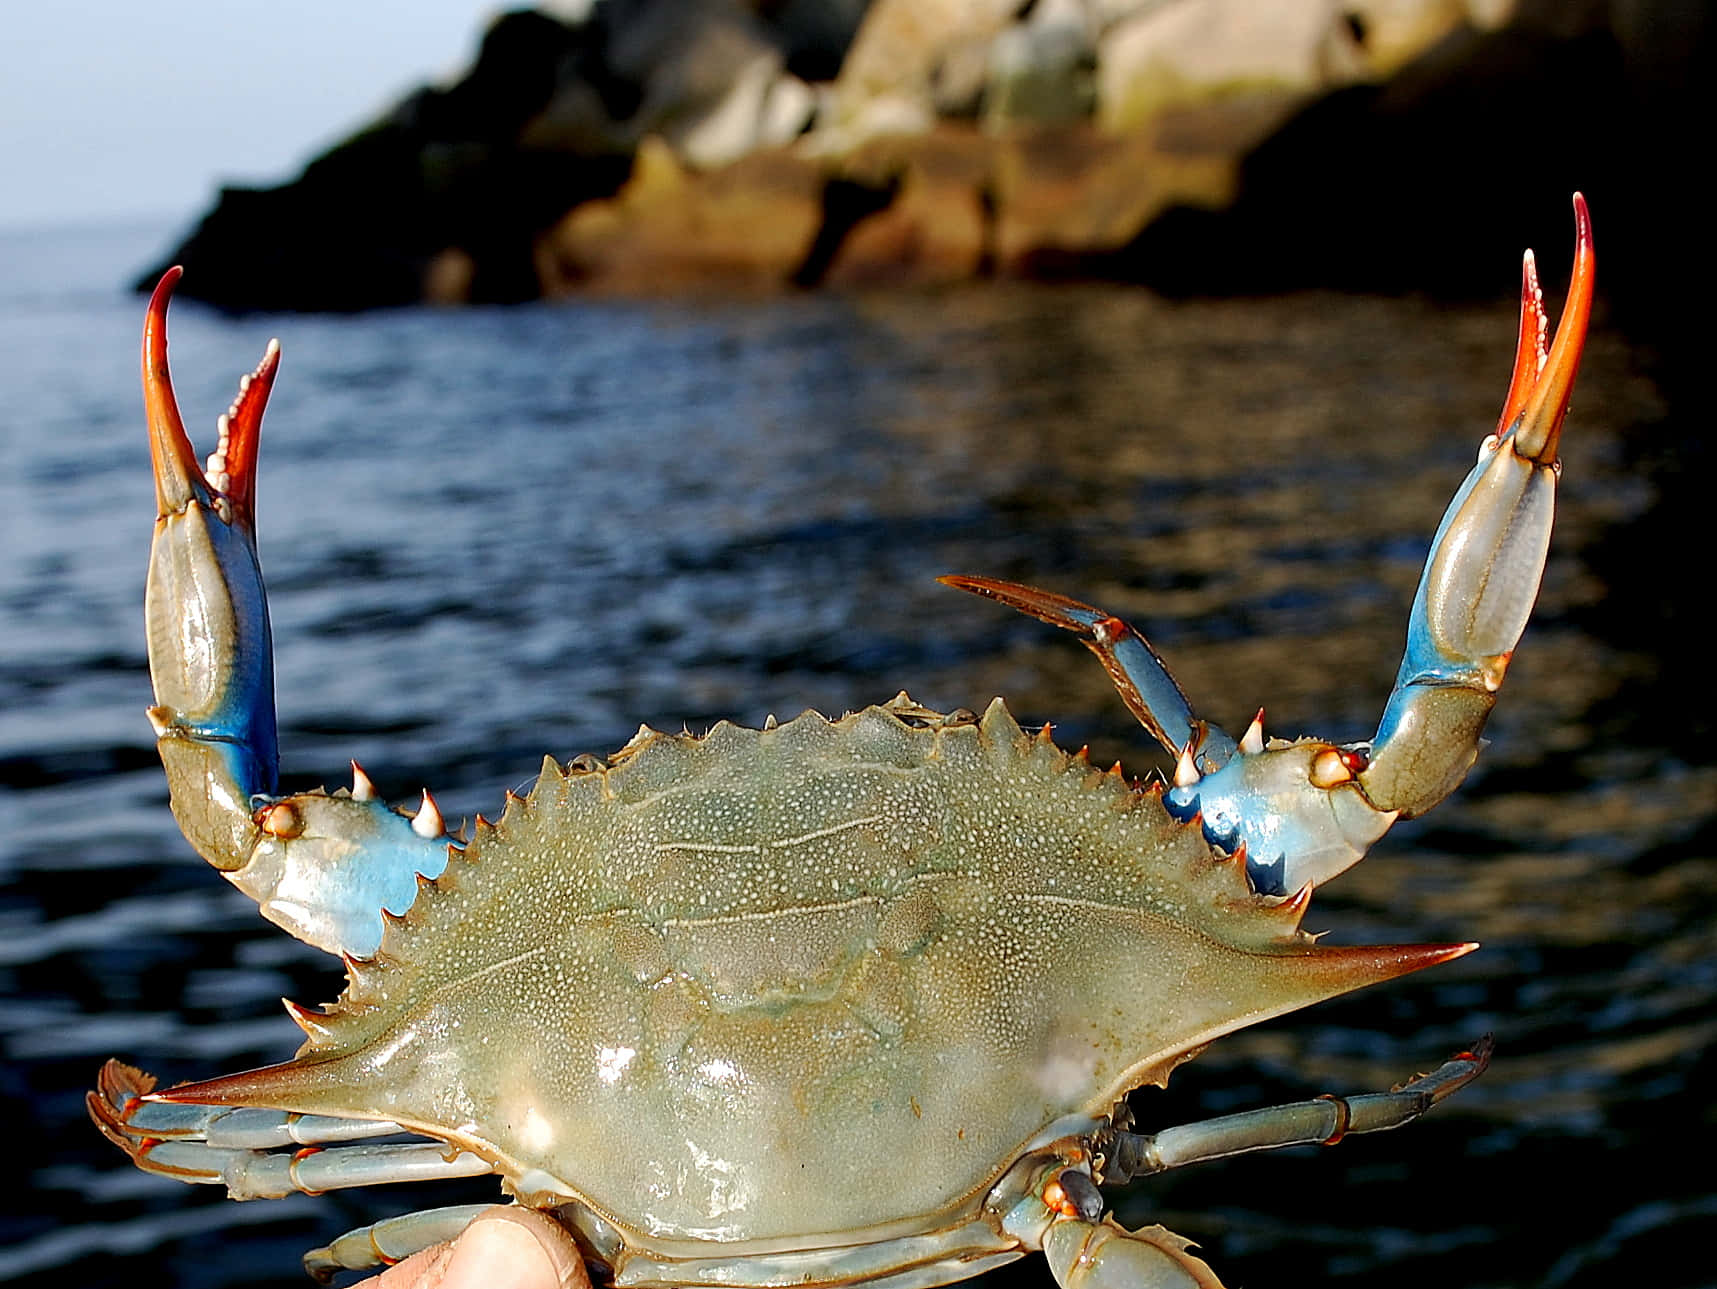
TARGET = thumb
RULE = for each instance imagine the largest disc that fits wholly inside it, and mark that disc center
(506, 1247)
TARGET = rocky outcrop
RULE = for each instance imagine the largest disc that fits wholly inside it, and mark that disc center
(666, 145)
(746, 226)
(447, 196)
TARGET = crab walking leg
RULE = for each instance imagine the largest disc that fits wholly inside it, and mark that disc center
(122, 1108)
(1322, 1121)
(220, 1145)
(1088, 1251)
(324, 867)
(391, 1240)
(1143, 679)
(255, 1174)
(1486, 560)
(246, 1127)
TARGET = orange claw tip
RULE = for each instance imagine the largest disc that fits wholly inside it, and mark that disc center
(178, 477)
(1540, 428)
(243, 432)
(164, 290)
(1529, 346)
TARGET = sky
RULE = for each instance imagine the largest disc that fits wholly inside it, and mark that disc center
(118, 110)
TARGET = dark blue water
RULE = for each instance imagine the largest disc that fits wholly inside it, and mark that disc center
(494, 534)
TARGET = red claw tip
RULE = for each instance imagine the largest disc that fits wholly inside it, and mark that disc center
(1546, 404)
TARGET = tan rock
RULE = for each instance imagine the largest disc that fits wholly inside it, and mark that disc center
(746, 226)
(1187, 53)
(1394, 32)
(1029, 203)
(1066, 194)
(1180, 54)
(885, 85)
(938, 229)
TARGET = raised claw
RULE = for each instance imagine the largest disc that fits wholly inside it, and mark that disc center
(1486, 561)
(1302, 812)
(210, 655)
(324, 867)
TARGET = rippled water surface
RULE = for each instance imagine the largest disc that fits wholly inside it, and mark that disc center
(494, 534)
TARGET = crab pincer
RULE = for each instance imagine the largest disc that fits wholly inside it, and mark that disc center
(1303, 811)
(212, 666)
(1486, 561)
(210, 655)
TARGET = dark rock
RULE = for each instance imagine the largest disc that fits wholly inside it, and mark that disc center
(508, 184)
(366, 221)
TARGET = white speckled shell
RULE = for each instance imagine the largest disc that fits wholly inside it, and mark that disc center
(818, 980)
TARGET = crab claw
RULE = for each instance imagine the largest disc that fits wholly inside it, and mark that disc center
(210, 657)
(327, 867)
(1486, 561)
(1304, 811)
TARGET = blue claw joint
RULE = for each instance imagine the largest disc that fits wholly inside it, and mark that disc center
(1302, 812)
(323, 866)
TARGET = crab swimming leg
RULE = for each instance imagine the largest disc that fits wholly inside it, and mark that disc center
(1087, 1250)
(1304, 811)
(324, 867)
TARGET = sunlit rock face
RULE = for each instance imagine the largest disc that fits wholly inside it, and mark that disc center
(647, 146)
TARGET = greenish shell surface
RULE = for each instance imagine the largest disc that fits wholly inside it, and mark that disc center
(803, 985)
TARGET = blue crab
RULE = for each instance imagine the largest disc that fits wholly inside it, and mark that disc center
(826, 1002)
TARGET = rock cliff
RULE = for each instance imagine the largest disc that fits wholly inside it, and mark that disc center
(667, 145)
